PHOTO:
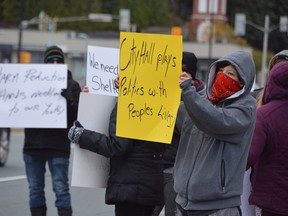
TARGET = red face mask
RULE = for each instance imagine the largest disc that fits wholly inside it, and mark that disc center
(223, 87)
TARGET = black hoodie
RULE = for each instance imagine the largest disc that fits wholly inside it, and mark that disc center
(50, 142)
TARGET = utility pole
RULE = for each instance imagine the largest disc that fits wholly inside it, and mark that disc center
(240, 20)
(264, 51)
(211, 29)
(21, 15)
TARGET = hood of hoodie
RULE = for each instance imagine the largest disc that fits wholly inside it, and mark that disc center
(277, 83)
(273, 59)
(243, 62)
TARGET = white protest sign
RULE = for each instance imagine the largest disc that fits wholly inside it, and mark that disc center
(102, 69)
(90, 169)
(246, 208)
(30, 95)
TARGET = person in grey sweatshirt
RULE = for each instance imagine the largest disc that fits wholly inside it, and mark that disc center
(215, 139)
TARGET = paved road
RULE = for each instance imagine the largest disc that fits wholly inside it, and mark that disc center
(14, 189)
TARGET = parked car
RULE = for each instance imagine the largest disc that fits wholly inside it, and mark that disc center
(4, 145)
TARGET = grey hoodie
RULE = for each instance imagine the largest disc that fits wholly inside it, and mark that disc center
(215, 140)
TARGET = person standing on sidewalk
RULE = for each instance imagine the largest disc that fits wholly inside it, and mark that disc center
(215, 139)
(189, 65)
(247, 208)
(269, 147)
(135, 183)
(51, 146)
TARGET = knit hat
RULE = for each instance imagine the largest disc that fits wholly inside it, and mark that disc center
(53, 52)
(189, 63)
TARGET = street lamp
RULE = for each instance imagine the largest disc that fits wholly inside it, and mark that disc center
(21, 12)
(240, 22)
(85, 37)
(266, 30)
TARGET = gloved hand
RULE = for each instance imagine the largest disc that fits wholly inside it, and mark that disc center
(75, 132)
(67, 94)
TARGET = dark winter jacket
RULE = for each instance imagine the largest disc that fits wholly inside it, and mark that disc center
(136, 166)
(214, 144)
(268, 153)
(50, 142)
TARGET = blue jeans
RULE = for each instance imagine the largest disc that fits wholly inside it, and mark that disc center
(35, 171)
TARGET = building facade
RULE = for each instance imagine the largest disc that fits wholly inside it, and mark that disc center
(208, 16)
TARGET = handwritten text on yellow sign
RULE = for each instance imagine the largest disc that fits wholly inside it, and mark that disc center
(149, 93)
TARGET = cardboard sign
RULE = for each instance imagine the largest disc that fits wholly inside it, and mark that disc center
(91, 169)
(30, 95)
(149, 92)
(102, 69)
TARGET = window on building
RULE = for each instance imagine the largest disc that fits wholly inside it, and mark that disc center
(202, 6)
(224, 5)
(213, 6)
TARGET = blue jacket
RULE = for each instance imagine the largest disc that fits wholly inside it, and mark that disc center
(213, 149)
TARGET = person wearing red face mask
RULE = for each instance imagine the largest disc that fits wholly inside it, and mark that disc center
(215, 138)
(226, 83)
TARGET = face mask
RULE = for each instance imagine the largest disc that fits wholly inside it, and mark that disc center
(223, 87)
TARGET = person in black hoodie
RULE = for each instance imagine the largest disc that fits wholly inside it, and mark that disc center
(135, 183)
(51, 146)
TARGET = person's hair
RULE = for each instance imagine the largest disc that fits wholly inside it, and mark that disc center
(223, 64)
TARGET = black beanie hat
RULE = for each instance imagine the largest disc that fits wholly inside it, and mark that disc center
(53, 52)
(189, 63)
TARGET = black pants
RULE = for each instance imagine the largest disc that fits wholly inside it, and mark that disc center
(169, 197)
(233, 211)
(130, 209)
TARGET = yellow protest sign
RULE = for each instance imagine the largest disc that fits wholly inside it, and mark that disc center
(149, 92)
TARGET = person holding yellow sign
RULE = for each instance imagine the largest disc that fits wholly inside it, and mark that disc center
(215, 139)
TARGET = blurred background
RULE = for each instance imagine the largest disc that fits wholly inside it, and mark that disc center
(210, 28)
